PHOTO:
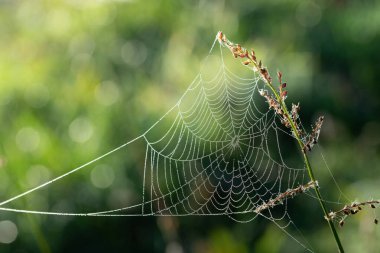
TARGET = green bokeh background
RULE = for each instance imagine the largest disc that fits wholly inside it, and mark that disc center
(78, 78)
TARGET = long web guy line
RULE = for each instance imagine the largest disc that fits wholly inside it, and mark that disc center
(68, 173)
(232, 97)
(96, 159)
(214, 158)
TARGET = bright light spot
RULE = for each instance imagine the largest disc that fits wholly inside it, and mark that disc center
(107, 93)
(81, 130)
(59, 22)
(308, 13)
(102, 176)
(37, 174)
(134, 53)
(8, 231)
(28, 139)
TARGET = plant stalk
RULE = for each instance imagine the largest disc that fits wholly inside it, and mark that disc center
(238, 51)
(306, 161)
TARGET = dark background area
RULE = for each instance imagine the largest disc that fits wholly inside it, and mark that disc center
(78, 78)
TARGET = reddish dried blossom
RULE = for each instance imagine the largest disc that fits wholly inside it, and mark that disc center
(290, 121)
(279, 76)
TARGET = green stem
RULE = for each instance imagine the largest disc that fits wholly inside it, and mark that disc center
(238, 51)
(307, 163)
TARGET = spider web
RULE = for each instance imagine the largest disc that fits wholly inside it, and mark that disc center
(217, 151)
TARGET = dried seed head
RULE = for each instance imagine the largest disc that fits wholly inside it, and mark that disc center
(313, 139)
(354, 211)
(246, 62)
(243, 55)
(220, 36)
(253, 55)
(263, 92)
(283, 94)
(331, 215)
(294, 113)
(279, 76)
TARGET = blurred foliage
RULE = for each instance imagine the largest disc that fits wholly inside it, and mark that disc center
(78, 78)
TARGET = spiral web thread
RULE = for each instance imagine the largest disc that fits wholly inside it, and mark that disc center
(215, 152)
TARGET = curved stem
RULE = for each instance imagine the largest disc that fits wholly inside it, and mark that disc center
(243, 53)
(306, 160)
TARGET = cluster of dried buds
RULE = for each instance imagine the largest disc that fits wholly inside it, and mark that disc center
(296, 119)
(276, 106)
(275, 103)
(290, 193)
(314, 135)
(351, 209)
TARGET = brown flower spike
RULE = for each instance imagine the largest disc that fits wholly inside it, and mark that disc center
(290, 193)
(291, 120)
(275, 102)
(351, 209)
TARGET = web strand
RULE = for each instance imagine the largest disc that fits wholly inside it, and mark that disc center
(217, 151)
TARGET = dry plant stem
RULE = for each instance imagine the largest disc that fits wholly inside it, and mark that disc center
(290, 193)
(250, 58)
(307, 163)
(351, 209)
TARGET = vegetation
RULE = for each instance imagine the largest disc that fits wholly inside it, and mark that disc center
(78, 78)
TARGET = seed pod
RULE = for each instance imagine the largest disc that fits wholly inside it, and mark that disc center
(246, 62)
(341, 223)
(376, 221)
(279, 75)
(220, 36)
(253, 55)
(283, 94)
(353, 211)
(373, 206)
